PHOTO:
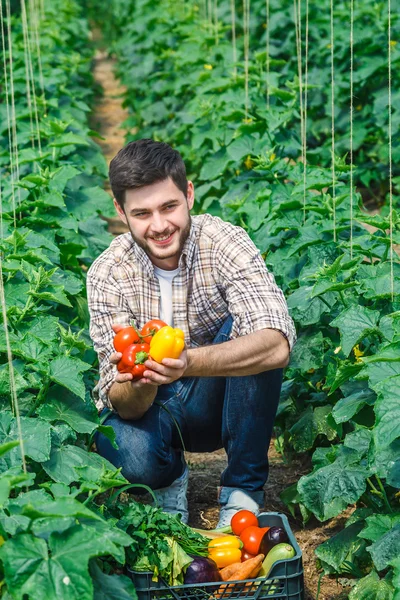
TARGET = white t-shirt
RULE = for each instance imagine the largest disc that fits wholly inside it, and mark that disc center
(165, 279)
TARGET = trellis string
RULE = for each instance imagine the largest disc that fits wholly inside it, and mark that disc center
(267, 67)
(351, 120)
(246, 31)
(390, 149)
(234, 49)
(14, 145)
(333, 120)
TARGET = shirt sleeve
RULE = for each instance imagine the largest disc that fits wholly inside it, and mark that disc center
(106, 307)
(254, 300)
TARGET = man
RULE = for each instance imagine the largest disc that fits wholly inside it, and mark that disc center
(206, 277)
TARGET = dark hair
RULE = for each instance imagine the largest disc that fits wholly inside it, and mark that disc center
(144, 162)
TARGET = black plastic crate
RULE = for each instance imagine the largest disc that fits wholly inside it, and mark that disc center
(285, 582)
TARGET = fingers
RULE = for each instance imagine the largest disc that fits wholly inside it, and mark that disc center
(117, 327)
(123, 377)
(115, 357)
(167, 364)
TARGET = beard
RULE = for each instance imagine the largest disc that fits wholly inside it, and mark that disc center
(168, 252)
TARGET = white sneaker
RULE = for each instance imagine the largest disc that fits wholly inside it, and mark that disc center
(233, 499)
(173, 499)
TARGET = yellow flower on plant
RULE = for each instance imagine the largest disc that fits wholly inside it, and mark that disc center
(393, 43)
(208, 67)
(249, 162)
(272, 157)
(358, 353)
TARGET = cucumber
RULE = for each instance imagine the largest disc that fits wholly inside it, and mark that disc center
(278, 552)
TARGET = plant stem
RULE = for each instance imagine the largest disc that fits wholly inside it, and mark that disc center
(342, 298)
(384, 495)
(40, 397)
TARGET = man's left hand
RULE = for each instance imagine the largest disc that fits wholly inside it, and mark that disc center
(170, 370)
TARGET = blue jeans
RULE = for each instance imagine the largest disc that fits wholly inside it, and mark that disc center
(236, 413)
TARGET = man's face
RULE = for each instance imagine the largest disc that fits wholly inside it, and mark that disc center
(159, 220)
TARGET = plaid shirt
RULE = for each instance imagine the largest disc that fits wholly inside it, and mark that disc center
(221, 273)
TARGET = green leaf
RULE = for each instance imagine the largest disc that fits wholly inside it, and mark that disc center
(382, 458)
(379, 372)
(45, 328)
(304, 309)
(372, 587)
(63, 460)
(309, 425)
(393, 477)
(69, 138)
(340, 548)
(215, 165)
(387, 410)
(59, 570)
(111, 587)
(308, 352)
(309, 236)
(347, 407)
(62, 405)
(386, 549)
(35, 435)
(67, 372)
(329, 490)
(61, 177)
(354, 324)
(346, 371)
(377, 526)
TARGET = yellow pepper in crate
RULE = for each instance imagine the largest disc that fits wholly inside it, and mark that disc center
(167, 343)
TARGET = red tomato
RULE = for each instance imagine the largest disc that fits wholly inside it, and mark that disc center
(150, 328)
(251, 538)
(246, 555)
(125, 338)
(132, 360)
(243, 519)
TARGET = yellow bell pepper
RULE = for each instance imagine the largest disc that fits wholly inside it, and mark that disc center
(167, 343)
(227, 541)
(225, 556)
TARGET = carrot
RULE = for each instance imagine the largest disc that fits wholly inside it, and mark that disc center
(226, 572)
(246, 568)
(243, 571)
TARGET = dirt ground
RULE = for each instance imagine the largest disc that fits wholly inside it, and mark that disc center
(205, 469)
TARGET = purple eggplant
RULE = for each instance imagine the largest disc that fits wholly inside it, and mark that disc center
(202, 570)
(274, 536)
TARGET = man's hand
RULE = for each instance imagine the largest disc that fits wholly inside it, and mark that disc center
(115, 357)
(156, 374)
(170, 370)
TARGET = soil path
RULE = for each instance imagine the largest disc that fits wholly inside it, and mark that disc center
(205, 469)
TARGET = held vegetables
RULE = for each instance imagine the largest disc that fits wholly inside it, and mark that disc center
(167, 343)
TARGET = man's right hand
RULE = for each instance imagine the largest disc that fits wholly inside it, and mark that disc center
(130, 398)
(115, 357)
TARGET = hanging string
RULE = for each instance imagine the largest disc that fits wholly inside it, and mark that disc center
(267, 10)
(209, 11)
(246, 31)
(10, 142)
(30, 76)
(333, 122)
(216, 21)
(35, 18)
(304, 140)
(14, 145)
(297, 21)
(27, 73)
(390, 148)
(234, 49)
(351, 121)
(13, 390)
